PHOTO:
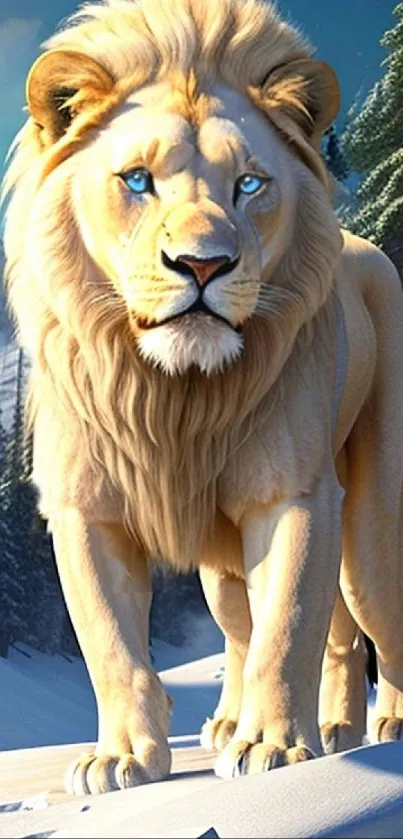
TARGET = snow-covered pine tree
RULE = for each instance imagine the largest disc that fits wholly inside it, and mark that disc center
(34, 552)
(334, 156)
(373, 142)
(13, 625)
(32, 608)
(48, 625)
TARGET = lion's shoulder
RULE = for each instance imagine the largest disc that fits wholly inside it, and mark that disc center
(365, 254)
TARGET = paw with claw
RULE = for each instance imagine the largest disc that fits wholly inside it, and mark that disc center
(133, 746)
(243, 758)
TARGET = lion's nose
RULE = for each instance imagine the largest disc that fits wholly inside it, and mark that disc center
(203, 270)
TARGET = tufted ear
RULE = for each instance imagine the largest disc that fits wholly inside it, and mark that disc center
(305, 90)
(60, 85)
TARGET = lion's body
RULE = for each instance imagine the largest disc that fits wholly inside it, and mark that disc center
(241, 436)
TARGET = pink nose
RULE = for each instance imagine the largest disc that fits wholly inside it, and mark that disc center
(204, 269)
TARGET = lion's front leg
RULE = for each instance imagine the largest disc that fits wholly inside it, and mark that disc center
(292, 561)
(107, 589)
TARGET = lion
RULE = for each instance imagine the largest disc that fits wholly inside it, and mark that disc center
(216, 378)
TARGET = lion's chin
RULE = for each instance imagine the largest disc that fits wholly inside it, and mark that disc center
(192, 340)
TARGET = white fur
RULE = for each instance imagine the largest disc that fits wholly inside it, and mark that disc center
(192, 339)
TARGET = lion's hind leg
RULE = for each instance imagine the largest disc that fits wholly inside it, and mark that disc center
(372, 568)
(342, 706)
(371, 582)
(388, 723)
(217, 731)
(227, 599)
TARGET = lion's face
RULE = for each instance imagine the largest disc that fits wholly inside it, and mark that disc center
(182, 218)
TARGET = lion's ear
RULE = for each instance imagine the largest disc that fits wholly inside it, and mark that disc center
(60, 85)
(308, 92)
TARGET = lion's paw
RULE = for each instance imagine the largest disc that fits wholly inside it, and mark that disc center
(388, 728)
(243, 758)
(216, 733)
(92, 774)
(339, 737)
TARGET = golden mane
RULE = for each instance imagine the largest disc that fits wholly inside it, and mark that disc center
(155, 443)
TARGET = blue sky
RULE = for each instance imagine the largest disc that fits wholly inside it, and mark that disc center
(346, 33)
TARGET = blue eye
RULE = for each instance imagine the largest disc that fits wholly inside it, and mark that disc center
(249, 184)
(139, 181)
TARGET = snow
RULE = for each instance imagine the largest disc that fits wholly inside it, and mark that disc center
(44, 700)
(48, 701)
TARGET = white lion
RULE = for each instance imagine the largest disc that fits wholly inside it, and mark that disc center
(217, 377)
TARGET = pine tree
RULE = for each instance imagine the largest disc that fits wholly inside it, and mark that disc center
(32, 607)
(12, 400)
(32, 552)
(47, 625)
(13, 568)
(9, 590)
(334, 156)
(4, 633)
(373, 142)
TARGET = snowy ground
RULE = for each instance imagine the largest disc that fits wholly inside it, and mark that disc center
(48, 702)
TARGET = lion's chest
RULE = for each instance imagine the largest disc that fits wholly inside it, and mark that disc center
(283, 457)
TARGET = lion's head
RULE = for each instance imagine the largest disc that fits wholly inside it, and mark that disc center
(172, 146)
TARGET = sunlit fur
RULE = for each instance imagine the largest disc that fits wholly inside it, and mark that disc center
(115, 435)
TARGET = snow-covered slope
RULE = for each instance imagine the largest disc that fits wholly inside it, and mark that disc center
(49, 700)
(359, 794)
